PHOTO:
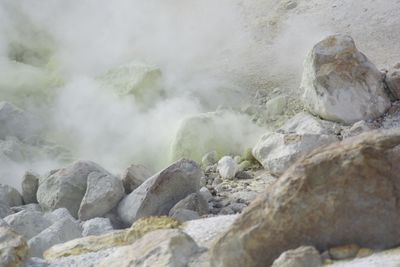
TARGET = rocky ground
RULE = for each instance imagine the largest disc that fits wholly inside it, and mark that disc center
(304, 179)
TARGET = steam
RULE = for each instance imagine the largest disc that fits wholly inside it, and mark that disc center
(53, 53)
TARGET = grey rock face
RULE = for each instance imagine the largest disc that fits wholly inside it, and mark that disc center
(28, 223)
(60, 232)
(161, 192)
(30, 185)
(103, 192)
(341, 84)
(96, 226)
(10, 196)
(134, 176)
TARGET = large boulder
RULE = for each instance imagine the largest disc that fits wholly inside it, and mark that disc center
(103, 192)
(161, 192)
(70, 188)
(60, 232)
(28, 223)
(278, 151)
(134, 176)
(341, 84)
(13, 248)
(9, 196)
(226, 132)
(159, 248)
(30, 184)
(336, 195)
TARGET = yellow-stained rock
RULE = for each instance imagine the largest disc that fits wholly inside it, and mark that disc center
(113, 239)
(13, 248)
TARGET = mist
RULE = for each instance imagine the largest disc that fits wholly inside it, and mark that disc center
(56, 58)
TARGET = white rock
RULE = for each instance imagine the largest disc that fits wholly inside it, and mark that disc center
(227, 167)
(28, 223)
(96, 226)
(300, 257)
(10, 196)
(30, 184)
(134, 176)
(103, 193)
(278, 151)
(341, 84)
(161, 192)
(60, 232)
(305, 123)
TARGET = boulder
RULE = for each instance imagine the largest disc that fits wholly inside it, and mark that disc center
(393, 81)
(9, 196)
(300, 257)
(305, 123)
(227, 167)
(336, 195)
(159, 248)
(161, 192)
(60, 232)
(224, 131)
(5, 210)
(13, 248)
(66, 187)
(28, 223)
(341, 84)
(134, 176)
(113, 239)
(194, 202)
(30, 184)
(103, 193)
(278, 151)
(59, 215)
(97, 226)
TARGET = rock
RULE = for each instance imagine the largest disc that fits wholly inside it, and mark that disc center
(28, 223)
(184, 215)
(242, 175)
(300, 257)
(137, 79)
(336, 195)
(66, 187)
(30, 184)
(10, 196)
(344, 252)
(4, 224)
(158, 248)
(13, 248)
(278, 151)
(103, 193)
(110, 240)
(225, 132)
(5, 210)
(134, 176)
(60, 232)
(305, 123)
(276, 106)
(161, 192)
(356, 129)
(96, 226)
(209, 158)
(205, 193)
(393, 81)
(244, 166)
(227, 167)
(27, 207)
(364, 252)
(341, 84)
(194, 202)
(59, 215)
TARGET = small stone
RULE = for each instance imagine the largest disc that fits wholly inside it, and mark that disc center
(227, 167)
(364, 252)
(290, 5)
(300, 257)
(242, 175)
(344, 252)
